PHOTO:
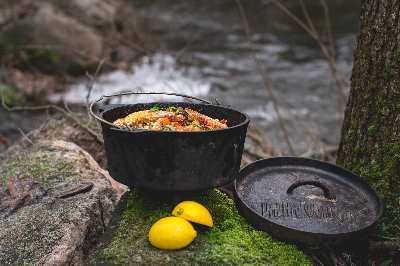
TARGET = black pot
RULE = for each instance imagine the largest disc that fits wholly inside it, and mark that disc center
(169, 160)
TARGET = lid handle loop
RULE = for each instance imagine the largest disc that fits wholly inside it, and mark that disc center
(327, 193)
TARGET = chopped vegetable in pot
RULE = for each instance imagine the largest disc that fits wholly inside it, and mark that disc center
(170, 119)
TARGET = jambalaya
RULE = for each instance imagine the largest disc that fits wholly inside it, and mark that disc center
(170, 119)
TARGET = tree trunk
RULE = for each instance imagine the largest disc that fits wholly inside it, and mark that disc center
(370, 144)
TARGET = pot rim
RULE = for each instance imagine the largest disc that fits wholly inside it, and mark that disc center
(241, 124)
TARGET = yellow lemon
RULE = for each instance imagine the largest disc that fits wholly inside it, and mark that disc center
(171, 233)
(193, 212)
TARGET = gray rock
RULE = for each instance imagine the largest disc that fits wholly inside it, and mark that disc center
(55, 201)
(93, 12)
(69, 37)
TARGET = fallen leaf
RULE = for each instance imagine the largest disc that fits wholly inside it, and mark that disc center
(4, 141)
(20, 202)
(11, 188)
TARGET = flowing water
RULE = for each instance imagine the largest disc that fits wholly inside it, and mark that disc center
(206, 52)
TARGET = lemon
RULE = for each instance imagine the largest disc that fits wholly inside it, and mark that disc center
(193, 212)
(171, 233)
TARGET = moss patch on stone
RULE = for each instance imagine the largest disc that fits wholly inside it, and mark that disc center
(230, 242)
(37, 165)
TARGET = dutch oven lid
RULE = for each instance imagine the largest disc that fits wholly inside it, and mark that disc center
(307, 195)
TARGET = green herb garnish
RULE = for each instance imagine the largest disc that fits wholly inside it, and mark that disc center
(171, 109)
(155, 108)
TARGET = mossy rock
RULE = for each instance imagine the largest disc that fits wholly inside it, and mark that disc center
(55, 201)
(38, 165)
(230, 242)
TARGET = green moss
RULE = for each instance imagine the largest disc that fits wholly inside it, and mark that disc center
(9, 42)
(36, 166)
(358, 149)
(390, 69)
(14, 46)
(384, 176)
(372, 130)
(397, 57)
(230, 242)
(10, 96)
(387, 73)
(370, 170)
(9, 171)
(43, 56)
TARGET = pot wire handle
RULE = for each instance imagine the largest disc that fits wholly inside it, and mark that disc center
(134, 92)
(327, 193)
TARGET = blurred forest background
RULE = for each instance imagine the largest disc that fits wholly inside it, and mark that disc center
(287, 64)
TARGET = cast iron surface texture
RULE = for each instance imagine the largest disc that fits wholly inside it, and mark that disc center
(307, 201)
(175, 161)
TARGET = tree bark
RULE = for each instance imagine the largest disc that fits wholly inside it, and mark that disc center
(370, 144)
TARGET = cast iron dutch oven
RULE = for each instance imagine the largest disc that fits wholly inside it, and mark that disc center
(169, 160)
(307, 201)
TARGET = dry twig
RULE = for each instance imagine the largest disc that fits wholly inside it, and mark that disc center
(57, 108)
(328, 53)
(267, 149)
(90, 86)
(24, 135)
(4, 141)
(266, 82)
(92, 81)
